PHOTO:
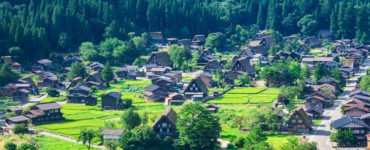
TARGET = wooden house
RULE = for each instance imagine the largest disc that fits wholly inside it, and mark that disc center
(81, 94)
(184, 43)
(199, 40)
(329, 80)
(312, 41)
(359, 92)
(74, 82)
(128, 72)
(49, 82)
(165, 125)
(17, 120)
(16, 66)
(330, 65)
(112, 134)
(156, 37)
(94, 79)
(16, 110)
(8, 90)
(160, 59)
(196, 87)
(212, 65)
(166, 83)
(154, 93)
(112, 100)
(299, 122)
(42, 65)
(96, 66)
(204, 57)
(358, 127)
(229, 77)
(21, 95)
(72, 59)
(315, 111)
(176, 76)
(171, 41)
(242, 66)
(312, 61)
(265, 43)
(175, 99)
(317, 101)
(245, 52)
(44, 112)
(355, 110)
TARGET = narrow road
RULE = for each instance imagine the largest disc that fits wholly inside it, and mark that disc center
(34, 100)
(43, 132)
(321, 132)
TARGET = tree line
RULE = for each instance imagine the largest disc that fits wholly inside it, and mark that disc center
(35, 28)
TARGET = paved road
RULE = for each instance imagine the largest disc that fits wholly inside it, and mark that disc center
(66, 138)
(321, 132)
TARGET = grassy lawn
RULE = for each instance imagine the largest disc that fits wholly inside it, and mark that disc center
(53, 99)
(316, 122)
(248, 95)
(48, 143)
(277, 140)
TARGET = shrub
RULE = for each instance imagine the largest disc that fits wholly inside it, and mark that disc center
(111, 145)
(26, 146)
(231, 146)
(52, 92)
(10, 146)
(127, 102)
(239, 142)
(20, 129)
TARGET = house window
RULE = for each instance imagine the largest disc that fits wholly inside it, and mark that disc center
(160, 130)
(168, 130)
(164, 124)
(293, 121)
(356, 131)
(362, 131)
(299, 121)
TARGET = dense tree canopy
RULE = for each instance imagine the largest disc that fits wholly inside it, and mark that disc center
(198, 127)
(38, 27)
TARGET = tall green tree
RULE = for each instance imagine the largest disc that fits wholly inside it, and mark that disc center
(86, 136)
(198, 127)
(7, 75)
(308, 25)
(107, 74)
(130, 119)
(77, 70)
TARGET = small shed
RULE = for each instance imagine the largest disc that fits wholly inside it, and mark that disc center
(112, 134)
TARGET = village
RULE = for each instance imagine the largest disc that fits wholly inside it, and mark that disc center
(314, 91)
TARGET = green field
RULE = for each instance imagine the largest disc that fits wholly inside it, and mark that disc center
(129, 89)
(80, 117)
(52, 99)
(248, 96)
(52, 143)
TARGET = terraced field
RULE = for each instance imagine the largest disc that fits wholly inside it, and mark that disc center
(248, 96)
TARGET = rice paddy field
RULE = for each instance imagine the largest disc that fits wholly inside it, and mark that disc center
(248, 95)
(80, 117)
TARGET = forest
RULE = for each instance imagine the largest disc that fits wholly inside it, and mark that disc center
(33, 29)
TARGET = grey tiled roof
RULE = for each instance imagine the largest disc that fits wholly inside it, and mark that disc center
(345, 120)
